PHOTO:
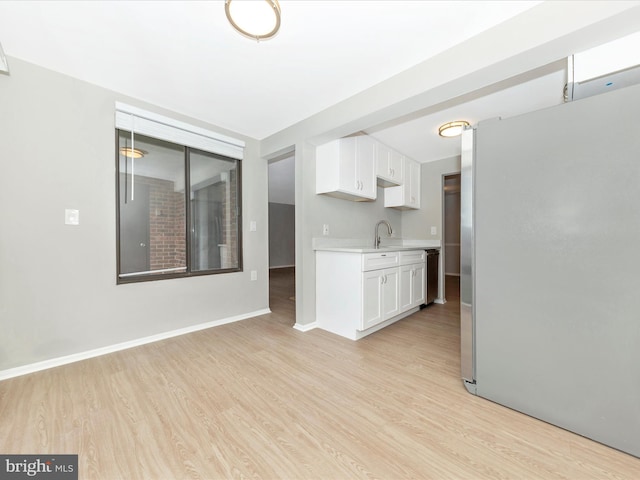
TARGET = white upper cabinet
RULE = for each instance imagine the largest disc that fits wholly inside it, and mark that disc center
(351, 168)
(345, 168)
(388, 166)
(407, 195)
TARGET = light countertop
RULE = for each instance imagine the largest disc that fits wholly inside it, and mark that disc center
(361, 246)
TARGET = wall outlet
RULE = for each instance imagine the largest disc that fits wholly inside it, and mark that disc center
(325, 229)
(434, 230)
(254, 275)
(71, 217)
(252, 226)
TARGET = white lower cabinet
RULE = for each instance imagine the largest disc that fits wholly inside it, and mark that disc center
(380, 296)
(412, 287)
(357, 294)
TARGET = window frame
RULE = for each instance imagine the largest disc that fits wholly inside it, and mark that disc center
(137, 278)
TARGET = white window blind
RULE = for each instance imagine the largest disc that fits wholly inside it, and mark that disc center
(137, 120)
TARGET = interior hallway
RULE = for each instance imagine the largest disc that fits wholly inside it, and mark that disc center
(259, 399)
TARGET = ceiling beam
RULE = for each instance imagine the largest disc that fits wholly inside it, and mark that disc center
(542, 35)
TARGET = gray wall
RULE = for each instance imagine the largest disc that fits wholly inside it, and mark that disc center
(435, 83)
(282, 235)
(282, 222)
(58, 292)
(418, 223)
(451, 237)
(69, 287)
(356, 219)
(346, 219)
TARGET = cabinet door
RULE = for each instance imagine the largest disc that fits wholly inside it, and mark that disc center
(418, 287)
(348, 173)
(382, 161)
(406, 287)
(391, 293)
(407, 195)
(345, 169)
(396, 167)
(365, 166)
(388, 166)
(371, 299)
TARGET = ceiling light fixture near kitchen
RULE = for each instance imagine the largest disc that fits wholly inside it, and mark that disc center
(256, 19)
(452, 129)
(132, 152)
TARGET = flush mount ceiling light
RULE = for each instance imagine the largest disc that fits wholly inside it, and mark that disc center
(256, 19)
(452, 129)
(132, 152)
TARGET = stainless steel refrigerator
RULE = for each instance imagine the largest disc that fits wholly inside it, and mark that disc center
(550, 265)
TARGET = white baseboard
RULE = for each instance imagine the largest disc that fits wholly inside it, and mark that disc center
(441, 301)
(306, 327)
(281, 266)
(76, 357)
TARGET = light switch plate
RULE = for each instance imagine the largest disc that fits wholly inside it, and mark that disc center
(434, 230)
(254, 275)
(252, 226)
(325, 229)
(71, 217)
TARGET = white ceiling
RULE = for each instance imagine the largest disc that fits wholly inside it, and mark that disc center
(184, 56)
(418, 137)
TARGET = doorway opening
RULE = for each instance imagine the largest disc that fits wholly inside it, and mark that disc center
(451, 235)
(282, 227)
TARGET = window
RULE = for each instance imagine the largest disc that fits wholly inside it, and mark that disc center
(178, 205)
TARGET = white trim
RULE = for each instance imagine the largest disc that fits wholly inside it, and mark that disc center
(306, 327)
(440, 301)
(76, 357)
(275, 267)
(165, 128)
(361, 334)
(162, 270)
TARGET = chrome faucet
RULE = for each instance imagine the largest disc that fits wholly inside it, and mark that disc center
(376, 237)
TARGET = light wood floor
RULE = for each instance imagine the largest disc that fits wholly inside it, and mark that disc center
(258, 399)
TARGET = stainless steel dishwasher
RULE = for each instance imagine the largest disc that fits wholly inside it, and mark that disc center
(431, 275)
